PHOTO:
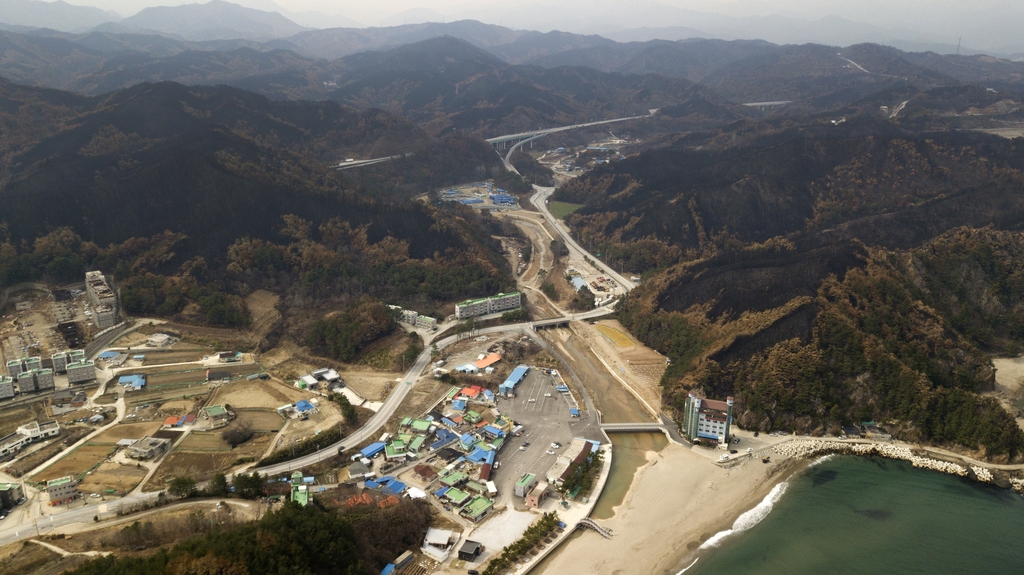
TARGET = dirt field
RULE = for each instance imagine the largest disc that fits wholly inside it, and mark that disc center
(261, 420)
(24, 558)
(204, 441)
(126, 431)
(111, 475)
(370, 384)
(154, 357)
(262, 306)
(260, 393)
(12, 417)
(639, 365)
(76, 462)
(199, 466)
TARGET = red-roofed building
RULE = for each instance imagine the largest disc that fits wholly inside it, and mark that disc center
(487, 361)
(469, 392)
(485, 472)
(171, 421)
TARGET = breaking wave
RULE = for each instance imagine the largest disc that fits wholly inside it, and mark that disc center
(750, 518)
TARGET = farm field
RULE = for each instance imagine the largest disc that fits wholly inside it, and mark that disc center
(617, 337)
(266, 394)
(112, 475)
(261, 420)
(204, 453)
(75, 462)
(126, 431)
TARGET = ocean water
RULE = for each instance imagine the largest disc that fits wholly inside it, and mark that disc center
(855, 515)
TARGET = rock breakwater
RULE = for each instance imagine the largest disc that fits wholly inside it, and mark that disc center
(816, 447)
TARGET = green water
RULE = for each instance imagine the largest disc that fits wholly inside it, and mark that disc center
(865, 515)
(629, 453)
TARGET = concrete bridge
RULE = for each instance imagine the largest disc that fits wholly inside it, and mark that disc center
(639, 427)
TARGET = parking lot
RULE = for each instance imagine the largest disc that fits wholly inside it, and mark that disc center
(544, 414)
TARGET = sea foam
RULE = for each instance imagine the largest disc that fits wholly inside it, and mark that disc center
(750, 518)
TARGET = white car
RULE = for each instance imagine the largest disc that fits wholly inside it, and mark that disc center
(555, 445)
(750, 450)
(547, 395)
(532, 400)
(549, 452)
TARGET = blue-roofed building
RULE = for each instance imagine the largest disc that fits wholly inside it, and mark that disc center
(513, 380)
(477, 456)
(388, 569)
(440, 492)
(395, 488)
(373, 449)
(108, 354)
(303, 406)
(467, 440)
(139, 357)
(447, 422)
(489, 395)
(459, 405)
(136, 382)
(386, 479)
(493, 431)
(371, 484)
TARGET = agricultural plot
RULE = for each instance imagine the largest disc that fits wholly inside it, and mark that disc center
(615, 336)
(117, 476)
(242, 394)
(76, 462)
(204, 453)
(260, 419)
(126, 431)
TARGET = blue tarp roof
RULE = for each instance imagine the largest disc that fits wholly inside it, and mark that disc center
(303, 405)
(108, 355)
(395, 488)
(372, 449)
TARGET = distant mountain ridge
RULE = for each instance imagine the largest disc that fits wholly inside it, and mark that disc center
(58, 15)
(215, 20)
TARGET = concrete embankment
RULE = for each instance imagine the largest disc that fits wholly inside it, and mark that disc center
(818, 447)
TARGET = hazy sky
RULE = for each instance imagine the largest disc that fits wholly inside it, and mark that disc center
(979, 22)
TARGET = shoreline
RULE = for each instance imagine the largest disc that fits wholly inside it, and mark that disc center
(676, 502)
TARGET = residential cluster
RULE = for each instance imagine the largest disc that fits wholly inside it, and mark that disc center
(414, 319)
(31, 374)
(330, 378)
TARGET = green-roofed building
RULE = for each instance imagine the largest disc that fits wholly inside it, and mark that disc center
(417, 443)
(472, 417)
(525, 484)
(457, 496)
(454, 478)
(452, 393)
(406, 422)
(420, 425)
(477, 509)
(405, 438)
(395, 449)
(477, 487)
(300, 492)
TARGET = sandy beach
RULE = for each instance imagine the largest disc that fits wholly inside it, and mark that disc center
(677, 500)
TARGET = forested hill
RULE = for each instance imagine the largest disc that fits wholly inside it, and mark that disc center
(824, 273)
(202, 194)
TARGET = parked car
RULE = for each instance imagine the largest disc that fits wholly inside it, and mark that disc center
(733, 451)
(556, 445)
(549, 452)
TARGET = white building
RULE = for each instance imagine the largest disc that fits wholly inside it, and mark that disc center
(26, 434)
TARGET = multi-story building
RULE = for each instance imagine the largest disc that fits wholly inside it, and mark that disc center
(16, 367)
(426, 322)
(10, 494)
(494, 304)
(61, 359)
(6, 387)
(707, 418)
(408, 316)
(80, 371)
(103, 299)
(26, 434)
(63, 490)
(35, 380)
